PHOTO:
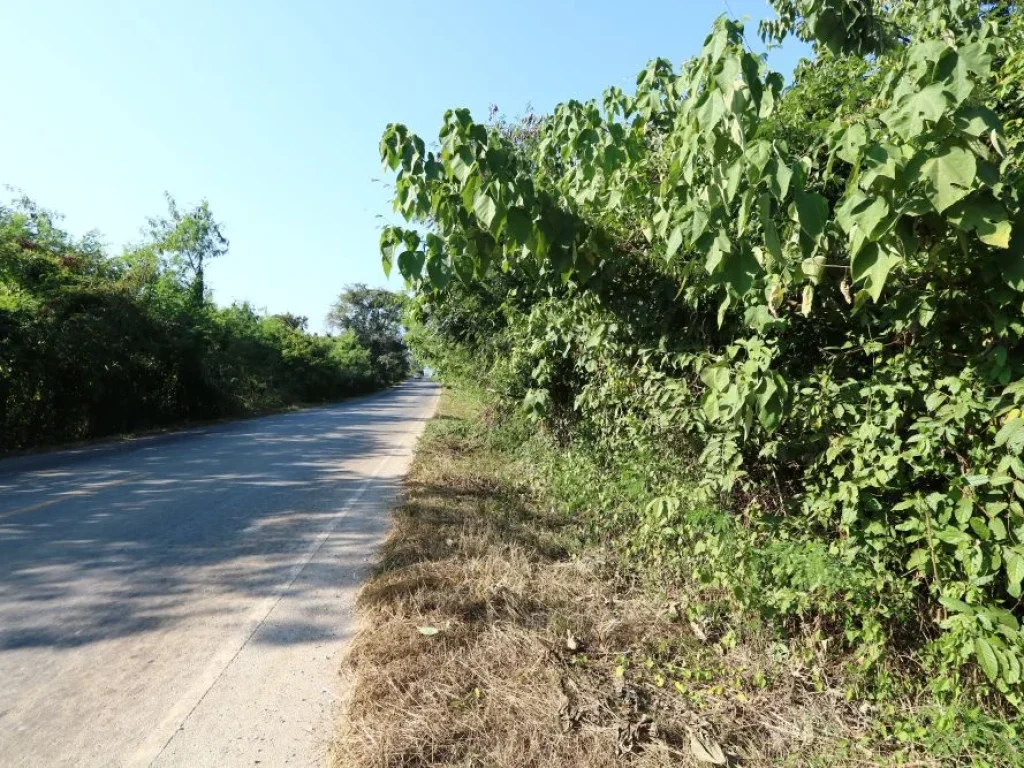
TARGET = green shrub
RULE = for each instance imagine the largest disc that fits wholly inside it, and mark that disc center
(92, 345)
(800, 305)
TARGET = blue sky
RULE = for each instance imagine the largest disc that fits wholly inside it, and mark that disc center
(273, 111)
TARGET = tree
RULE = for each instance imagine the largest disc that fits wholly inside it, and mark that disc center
(189, 240)
(92, 345)
(293, 321)
(374, 316)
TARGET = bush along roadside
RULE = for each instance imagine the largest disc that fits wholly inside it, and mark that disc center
(791, 315)
(93, 345)
(502, 629)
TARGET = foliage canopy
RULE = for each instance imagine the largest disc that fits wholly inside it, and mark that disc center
(92, 345)
(807, 300)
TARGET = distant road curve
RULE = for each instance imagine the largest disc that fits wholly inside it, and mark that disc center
(183, 600)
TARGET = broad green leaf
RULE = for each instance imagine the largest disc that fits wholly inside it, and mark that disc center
(698, 225)
(485, 208)
(957, 606)
(518, 225)
(870, 215)
(410, 264)
(675, 239)
(779, 176)
(744, 215)
(1011, 434)
(1011, 667)
(771, 402)
(908, 116)
(1014, 562)
(757, 155)
(976, 57)
(460, 162)
(771, 235)
(715, 377)
(852, 144)
(918, 558)
(859, 211)
(388, 244)
(464, 267)
(711, 111)
(437, 271)
(719, 248)
(953, 536)
(759, 317)
(950, 176)
(733, 176)
(964, 510)
(845, 210)
(976, 120)
(979, 527)
(739, 269)
(879, 162)
(987, 217)
(986, 657)
(872, 266)
(469, 192)
(812, 210)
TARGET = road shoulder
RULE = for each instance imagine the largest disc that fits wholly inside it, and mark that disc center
(492, 635)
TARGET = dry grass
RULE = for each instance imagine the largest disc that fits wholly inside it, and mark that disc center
(546, 656)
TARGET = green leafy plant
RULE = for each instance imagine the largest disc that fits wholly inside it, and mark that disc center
(811, 300)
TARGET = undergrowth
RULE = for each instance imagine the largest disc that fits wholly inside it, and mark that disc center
(512, 622)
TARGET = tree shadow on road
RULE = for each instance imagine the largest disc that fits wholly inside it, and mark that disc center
(146, 539)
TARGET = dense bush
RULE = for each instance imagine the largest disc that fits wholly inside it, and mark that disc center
(800, 306)
(92, 345)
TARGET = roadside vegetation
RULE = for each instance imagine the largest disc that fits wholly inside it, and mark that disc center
(771, 337)
(93, 344)
(501, 629)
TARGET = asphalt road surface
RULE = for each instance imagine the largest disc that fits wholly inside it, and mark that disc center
(182, 600)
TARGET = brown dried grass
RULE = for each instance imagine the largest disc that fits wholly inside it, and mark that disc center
(547, 656)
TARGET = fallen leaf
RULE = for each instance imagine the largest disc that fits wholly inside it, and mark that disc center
(428, 631)
(706, 750)
(632, 735)
(844, 287)
(698, 630)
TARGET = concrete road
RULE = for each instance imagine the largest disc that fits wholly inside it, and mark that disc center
(183, 600)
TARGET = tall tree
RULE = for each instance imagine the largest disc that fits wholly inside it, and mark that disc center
(374, 315)
(189, 240)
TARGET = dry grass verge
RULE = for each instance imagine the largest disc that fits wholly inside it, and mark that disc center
(490, 639)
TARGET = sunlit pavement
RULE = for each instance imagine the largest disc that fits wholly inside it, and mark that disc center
(183, 600)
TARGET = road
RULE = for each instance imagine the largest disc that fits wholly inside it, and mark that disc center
(183, 600)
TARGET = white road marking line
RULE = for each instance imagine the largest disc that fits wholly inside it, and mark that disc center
(161, 736)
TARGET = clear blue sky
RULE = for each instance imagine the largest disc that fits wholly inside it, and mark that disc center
(273, 111)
